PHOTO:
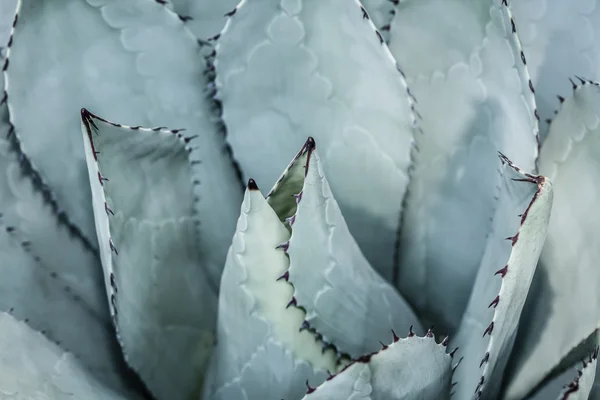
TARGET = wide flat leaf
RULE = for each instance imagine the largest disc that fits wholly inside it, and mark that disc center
(561, 39)
(488, 328)
(33, 368)
(319, 68)
(130, 60)
(407, 369)
(564, 306)
(349, 304)
(475, 99)
(152, 252)
(32, 292)
(261, 351)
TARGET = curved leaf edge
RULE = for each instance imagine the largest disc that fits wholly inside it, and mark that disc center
(541, 182)
(588, 367)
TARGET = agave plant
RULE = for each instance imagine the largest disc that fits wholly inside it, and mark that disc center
(425, 192)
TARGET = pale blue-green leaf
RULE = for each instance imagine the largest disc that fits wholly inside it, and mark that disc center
(129, 60)
(381, 12)
(346, 301)
(565, 303)
(408, 369)
(462, 62)
(152, 253)
(487, 331)
(33, 368)
(561, 39)
(207, 16)
(319, 68)
(566, 387)
(261, 351)
(7, 13)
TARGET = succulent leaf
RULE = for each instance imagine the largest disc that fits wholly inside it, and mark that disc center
(319, 68)
(129, 60)
(561, 39)
(7, 12)
(205, 18)
(488, 328)
(35, 294)
(581, 387)
(31, 367)
(348, 303)
(261, 352)
(407, 369)
(152, 254)
(475, 99)
(381, 13)
(557, 317)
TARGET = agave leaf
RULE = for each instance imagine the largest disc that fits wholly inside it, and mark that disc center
(7, 11)
(205, 18)
(261, 352)
(35, 294)
(381, 13)
(561, 39)
(407, 369)
(31, 367)
(579, 388)
(152, 252)
(475, 98)
(320, 69)
(558, 317)
(130, 60)
(346, 301)
(488, 328)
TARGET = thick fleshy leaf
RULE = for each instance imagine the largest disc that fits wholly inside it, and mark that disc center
(488, 328)
(564, 306)
(152, 252)
(407, 369)
(349, 304)
(381, 12)
(32, 292)
(205, 18)
(561, 39)
(129, 60)
(7, 12)
(261, 353)
(33, 368)
(319, 68)
(476, 99)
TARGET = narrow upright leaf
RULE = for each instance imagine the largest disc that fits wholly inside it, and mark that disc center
(564, 306)
(261, 351)
(406, 369)
(488, 328)
(130, 60)
(33, 368)
(349, 304)
(153, 254)
(561, 40)
(476, 99)
(320, 68)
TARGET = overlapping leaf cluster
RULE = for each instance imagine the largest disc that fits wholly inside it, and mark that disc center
(430, 184)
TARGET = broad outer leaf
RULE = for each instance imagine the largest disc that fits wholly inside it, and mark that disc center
(488, 328)
(476, 99)
(346, 301)
(261, 353)
(565, 303)
(33, 368)
(561, 39)
(152, 253)
(205, 18)
(407, 369)
(319, 68)
(129, 60)
(35, 294)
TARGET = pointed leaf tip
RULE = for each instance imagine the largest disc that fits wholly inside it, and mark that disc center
(252, 184)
